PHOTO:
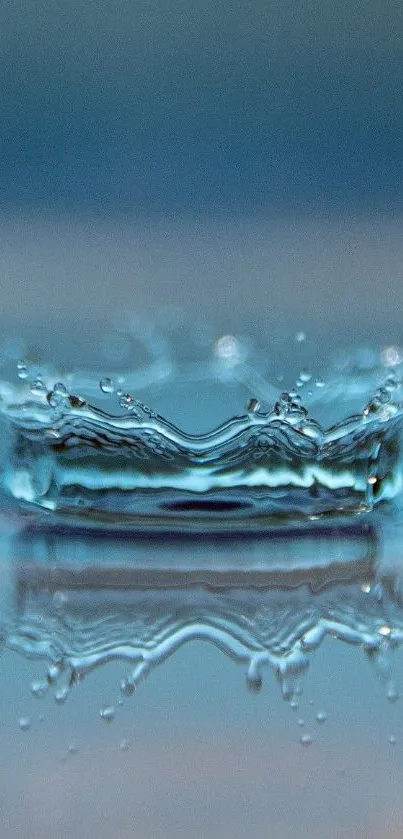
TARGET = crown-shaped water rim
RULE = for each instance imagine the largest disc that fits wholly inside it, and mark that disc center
(122, 464)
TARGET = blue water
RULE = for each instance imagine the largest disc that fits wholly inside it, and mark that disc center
(77, 449)
(224, 670)
(200, 212)
(210, 689)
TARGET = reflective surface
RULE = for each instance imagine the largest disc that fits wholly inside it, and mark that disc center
(315, 622)
(200, 684)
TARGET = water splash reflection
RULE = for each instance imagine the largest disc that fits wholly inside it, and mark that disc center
(81, 601)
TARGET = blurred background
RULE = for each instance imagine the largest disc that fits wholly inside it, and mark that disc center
(243, 160)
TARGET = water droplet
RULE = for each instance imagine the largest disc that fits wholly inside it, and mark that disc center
(393, 694)
(61, 390)
(320, 382)
(107, 385)
(253, 406)
(61, 695)
(107, 713)
(53, 674)
(127, 401)
(38, 387)
(73, 748)
(321, 717)
(391, 356)
(39, 688)
(305, 376)
(289, 403)
(392, 740)
(227, 349)
(22, 370)
(123, 745)
(300, 337)
(254, 682)
(301, 722)
(306, 740)
(54, 399)
(24, 723)
(127, 687)
(58, 395)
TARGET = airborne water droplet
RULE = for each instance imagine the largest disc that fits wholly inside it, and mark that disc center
(107, 713)
(393, 694)
(39, 688)
(391, 356)
(22, 370)
(54, 671)
(306, 740)
(24, 723)
(227, 349)
(127, 687)
(321, 717)
(107, 385)
(61, 695)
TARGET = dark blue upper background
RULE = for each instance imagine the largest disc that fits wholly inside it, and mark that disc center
(160, 107)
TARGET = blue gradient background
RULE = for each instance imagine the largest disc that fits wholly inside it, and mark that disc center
(170, 107)
(251, 153)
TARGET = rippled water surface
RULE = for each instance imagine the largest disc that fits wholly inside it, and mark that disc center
(202, 591)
